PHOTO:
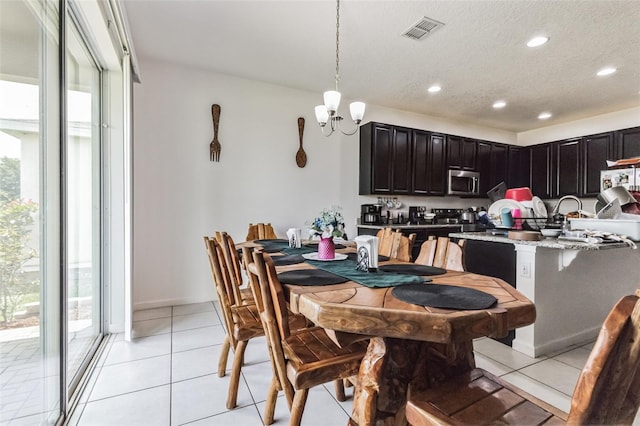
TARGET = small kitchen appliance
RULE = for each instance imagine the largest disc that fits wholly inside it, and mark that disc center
(370, 214)
(464, 183)
(447, 216)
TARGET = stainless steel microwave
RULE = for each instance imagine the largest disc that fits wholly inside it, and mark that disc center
(463, 182)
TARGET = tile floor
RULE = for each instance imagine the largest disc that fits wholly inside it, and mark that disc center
(167, 376)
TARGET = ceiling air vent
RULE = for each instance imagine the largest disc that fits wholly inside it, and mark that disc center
(422, 28)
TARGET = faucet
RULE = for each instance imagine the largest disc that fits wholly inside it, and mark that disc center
(572, 197)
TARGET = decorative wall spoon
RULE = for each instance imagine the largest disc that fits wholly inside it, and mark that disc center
(301, 156)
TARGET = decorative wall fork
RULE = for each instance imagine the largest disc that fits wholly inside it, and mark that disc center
(214, 146)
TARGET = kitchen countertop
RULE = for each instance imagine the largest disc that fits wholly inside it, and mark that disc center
(552, 243)
(408, 226)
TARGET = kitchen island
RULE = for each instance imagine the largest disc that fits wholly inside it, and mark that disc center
(573, 285)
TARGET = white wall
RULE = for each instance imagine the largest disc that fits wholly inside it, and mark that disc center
(180, 196)
(589, 126)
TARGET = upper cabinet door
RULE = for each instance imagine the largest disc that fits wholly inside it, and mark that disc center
(491, 162)
(596, 150)
(461, 153)
(483, 160)
(421, 160)
(375, 158)
(401, 166)
(627, 143)
(382, 158)
(429, 167)
(566, 168)
(469, 148)
(540, 170)
(437, 164)
(518, 167)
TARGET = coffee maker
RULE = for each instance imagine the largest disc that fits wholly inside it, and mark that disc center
(370, 214)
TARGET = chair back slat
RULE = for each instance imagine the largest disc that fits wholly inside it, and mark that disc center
(608, 389)
(441, 253)
(260, 231)
(233, 264)
(394, 244)
(222, 282)
(254, 285)
(427, 252)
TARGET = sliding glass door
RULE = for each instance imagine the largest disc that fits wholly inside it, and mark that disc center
(51, 282)
(82, 204)
(30, 276)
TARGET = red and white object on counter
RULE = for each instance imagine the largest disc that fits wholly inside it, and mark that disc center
(519, 194)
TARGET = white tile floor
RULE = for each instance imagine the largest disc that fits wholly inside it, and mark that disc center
(167, 376)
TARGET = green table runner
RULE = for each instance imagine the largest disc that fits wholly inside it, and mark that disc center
(347, 268)
(301, 250)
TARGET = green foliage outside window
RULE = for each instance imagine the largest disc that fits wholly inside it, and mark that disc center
(16, 224)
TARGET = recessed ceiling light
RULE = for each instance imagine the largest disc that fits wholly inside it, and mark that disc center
(537, 41)
(499, 104)
(607, 71)
(434, 89)
(544, 115)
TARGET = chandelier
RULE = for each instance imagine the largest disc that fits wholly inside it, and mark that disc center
(328, 113)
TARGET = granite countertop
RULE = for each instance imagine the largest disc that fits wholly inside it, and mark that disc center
(552, 243)
(408, 226)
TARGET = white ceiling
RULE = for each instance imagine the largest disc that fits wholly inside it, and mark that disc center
(478, 57)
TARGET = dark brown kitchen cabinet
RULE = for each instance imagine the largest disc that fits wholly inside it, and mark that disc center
(401, 169)
(429, 171)
(483, 160)
(375, 159)
(461, 153)
(491, 163)
(566, 168)
(518, 166)
(627, 143)
(596, 150)
(499, 161)
(385, 159)
(540, 175)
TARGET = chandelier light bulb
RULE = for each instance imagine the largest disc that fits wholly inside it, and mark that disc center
(322, 115)
(332, 101)
(357, 111)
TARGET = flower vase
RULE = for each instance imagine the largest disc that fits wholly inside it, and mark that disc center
(326, 248)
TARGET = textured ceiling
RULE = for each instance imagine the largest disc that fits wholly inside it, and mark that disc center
(478, 57)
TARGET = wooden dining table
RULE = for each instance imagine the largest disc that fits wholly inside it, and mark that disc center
(411, 347)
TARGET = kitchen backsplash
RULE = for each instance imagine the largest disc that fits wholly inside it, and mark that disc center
(588, 204)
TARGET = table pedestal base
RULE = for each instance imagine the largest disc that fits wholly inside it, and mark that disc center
(392, 368)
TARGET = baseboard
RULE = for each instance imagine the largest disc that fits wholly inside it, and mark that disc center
(167, 302)
(535, 351)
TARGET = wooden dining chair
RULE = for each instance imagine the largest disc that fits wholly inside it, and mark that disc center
(441, 253)
(260, 231)
(607, 391)
(296, 322)
(242, 321)
(301, 358)
(394, 244)
(241, 291)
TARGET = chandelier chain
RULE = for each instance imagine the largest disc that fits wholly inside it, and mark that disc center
(337, 43)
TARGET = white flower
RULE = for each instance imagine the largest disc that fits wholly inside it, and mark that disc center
(329, 223)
